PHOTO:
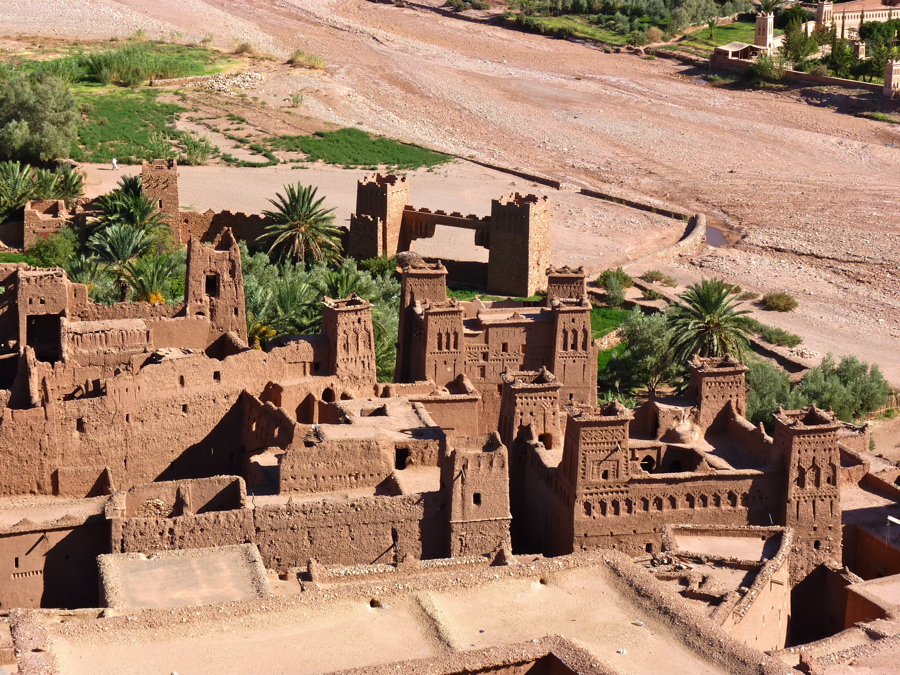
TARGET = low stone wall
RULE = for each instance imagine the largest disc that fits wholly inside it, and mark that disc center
(181, 80)
(721, 63)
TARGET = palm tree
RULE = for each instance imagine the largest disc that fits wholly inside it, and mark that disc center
(117, 245)
(148, 276)
(769, 6)
(16, 187)
(300, 227)
(708, 323)
(258, 303)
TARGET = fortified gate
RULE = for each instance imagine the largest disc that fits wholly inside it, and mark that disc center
(517, 233)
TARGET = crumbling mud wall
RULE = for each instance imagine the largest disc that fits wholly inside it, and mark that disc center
(354, 531)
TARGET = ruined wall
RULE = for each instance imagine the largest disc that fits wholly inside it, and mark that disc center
(336, 465)
(43, 218)
(147, 535)
(265, 425)
(208, 225)
(872, 557)
(354, 531)
(180, 418)
(751, 438)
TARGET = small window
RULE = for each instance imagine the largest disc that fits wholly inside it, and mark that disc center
(181, 380)
(504, 347)
(476, 499)
(817, 545)
(605, 474)
(482, 372)
(217, 376)
(43, 302)
(212, 285)
(127, 418)
(17, 563)
(79, 424)
(524, 348)
(159, 204)
(484, 356)
(648, 548)
(184, 408)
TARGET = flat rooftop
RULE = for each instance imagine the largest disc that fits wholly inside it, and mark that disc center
(183, 578)
(323, 630)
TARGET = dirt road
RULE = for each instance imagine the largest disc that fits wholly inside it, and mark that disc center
(816, 191)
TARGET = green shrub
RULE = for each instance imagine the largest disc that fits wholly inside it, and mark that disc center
(779, 301)
(197, 150)
(772, 335)
(622, 278)
(301, 59)
(748, 295)
(55, 250)
(657, 277)
(851, 389)
(615, 294)
(650, 294)
(765, 69)
(245, 48)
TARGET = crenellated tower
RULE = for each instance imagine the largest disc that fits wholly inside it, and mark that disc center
(520, 244)
(375, 227)
(348, 326)
(807, 440)
(715, 382)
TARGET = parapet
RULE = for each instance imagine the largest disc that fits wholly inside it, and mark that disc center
(812, 419)
(530, 379)
(611, 412)
(717, 364)
(383, 180)
(354, 302)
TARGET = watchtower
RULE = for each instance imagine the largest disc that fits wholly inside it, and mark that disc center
(824, 14)
(348, 326)
(807, 440)
(574, 356)
(376, 226)
(716, 382)
(519, 244)
(765, 31)
(159, 182)
(215, 285)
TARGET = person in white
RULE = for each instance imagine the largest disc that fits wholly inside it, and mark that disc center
(115, 164)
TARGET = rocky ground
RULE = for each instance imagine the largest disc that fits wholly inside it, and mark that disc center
(812, 188)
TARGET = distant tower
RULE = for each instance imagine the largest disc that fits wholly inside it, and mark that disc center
(476, 476)
(574, 355)
(824, 14)
(716, 382)
(519, 245)
(892, 79)
(159, 182)
(215, 285)
(348, 326)
(765, 31)
(807, 440)
(375, 227)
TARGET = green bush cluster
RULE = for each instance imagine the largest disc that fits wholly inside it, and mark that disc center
(773, 335)
(38, 119)
(779, 301)
(462, 5)
(657, 277)
(852, 389)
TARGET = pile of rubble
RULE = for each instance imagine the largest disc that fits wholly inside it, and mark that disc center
(226, 84)
(803, 353)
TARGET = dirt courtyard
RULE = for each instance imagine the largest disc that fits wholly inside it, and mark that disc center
(813, 189)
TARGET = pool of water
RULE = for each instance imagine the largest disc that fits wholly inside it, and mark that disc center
(714, 237)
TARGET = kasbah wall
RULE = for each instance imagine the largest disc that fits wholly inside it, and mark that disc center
(159, 420)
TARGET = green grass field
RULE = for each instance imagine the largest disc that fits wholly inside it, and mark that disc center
(605, 320)
(130, 125)
(352, 148)
(699, 42)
